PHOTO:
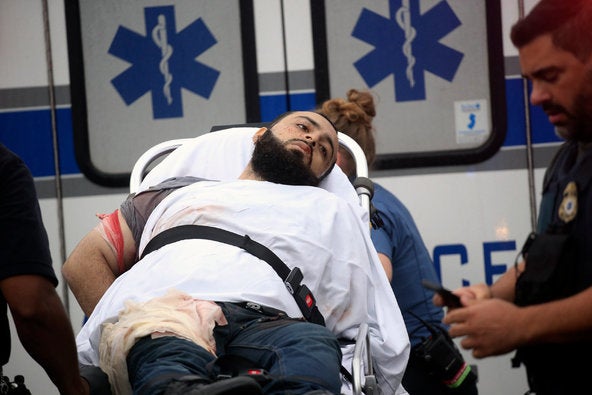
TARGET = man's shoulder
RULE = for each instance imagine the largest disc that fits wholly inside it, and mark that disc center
(13, 168)
(385, 199)
(6, 155)
(568, 148)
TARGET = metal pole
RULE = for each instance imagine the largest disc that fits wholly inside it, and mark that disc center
(56, 156)
(286, 71)
(529, 147)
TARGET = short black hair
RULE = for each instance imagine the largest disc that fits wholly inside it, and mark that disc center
(568, 21)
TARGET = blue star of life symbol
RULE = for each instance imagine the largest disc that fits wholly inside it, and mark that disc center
(163, 62)
(406, 44)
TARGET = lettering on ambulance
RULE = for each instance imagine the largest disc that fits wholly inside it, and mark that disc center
(490, 268)
(496, 269)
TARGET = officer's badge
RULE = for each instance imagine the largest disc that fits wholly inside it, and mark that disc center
(569, 205)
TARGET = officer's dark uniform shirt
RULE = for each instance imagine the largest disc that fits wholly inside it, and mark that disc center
(24, 246)
(567, 201)
(566, 211)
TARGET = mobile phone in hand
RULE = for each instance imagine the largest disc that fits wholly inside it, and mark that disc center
(450, 299)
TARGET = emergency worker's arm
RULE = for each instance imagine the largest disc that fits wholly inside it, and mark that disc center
(386, 265)
(564, 320)
(95, 263)
(489, 326)
(44, 329)
(505, 287)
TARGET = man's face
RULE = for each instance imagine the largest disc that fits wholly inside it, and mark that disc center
(273, 162)
(306, 136)
(561, 85)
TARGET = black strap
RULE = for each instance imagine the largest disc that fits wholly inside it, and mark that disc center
(348, 376)
(292, 278)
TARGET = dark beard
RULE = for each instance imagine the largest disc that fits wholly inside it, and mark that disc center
(274, 163)
(580, 129)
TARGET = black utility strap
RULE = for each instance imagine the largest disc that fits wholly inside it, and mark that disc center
(292, 278)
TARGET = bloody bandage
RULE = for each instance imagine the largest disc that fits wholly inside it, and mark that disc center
(110, 229)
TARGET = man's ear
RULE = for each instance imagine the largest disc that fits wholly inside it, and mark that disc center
(258, 134)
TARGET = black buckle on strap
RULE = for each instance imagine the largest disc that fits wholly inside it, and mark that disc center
(302, 294)
(293, 280)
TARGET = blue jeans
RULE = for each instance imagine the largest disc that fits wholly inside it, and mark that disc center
(299, 356)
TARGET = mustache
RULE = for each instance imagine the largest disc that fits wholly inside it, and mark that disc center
(553, 108)
(302, 141)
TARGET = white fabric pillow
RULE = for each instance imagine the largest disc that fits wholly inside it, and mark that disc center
(223, 155)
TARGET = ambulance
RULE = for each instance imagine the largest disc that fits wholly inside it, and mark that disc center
(87, 86)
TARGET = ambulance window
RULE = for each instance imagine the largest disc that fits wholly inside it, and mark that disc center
(436, 68)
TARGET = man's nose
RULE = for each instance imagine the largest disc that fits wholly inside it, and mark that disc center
(539, 94)
(310, 140)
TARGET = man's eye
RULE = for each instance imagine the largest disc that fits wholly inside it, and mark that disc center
(324, 151)
(550, 76)
(302, 126)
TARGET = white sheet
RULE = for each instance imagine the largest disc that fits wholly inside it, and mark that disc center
(344, 273)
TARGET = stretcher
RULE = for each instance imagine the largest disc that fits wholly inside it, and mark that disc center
(177, 158)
